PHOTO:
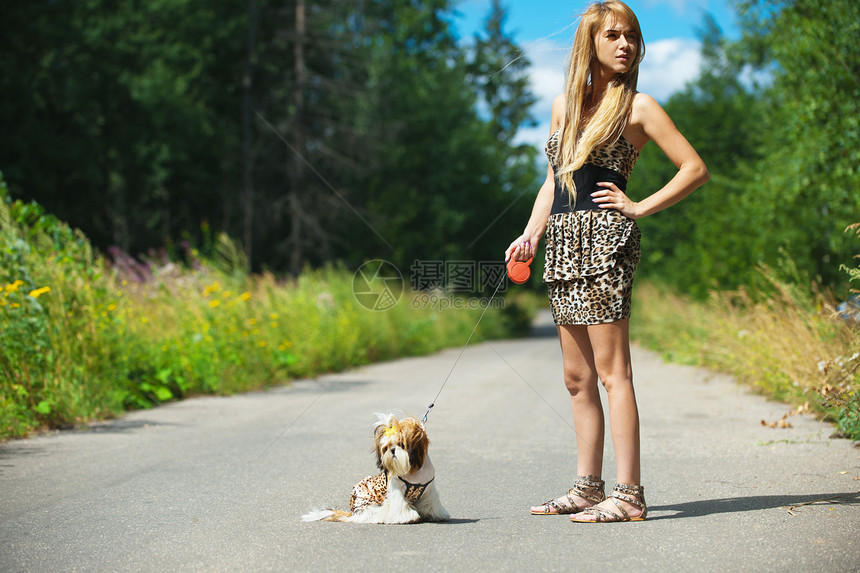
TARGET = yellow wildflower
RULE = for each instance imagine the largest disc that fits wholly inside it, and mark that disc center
(40, 291)
(262, 344)
(246, 296)
(214, 303)
(214, 287)
(13, 287)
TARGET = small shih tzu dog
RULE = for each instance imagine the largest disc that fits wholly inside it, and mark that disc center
(405, 491)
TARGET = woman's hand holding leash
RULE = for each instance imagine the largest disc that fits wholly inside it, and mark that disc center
(523, 248)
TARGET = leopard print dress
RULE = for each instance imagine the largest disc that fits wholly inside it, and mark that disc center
(591, 253)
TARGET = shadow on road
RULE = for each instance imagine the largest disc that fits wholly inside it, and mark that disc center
(332, 382)
(755, 503)
(12, 450)
(120, 426)
(544, 331)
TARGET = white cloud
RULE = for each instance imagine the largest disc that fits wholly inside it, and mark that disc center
(668, 65)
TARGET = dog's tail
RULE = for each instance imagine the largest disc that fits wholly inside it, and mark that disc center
(327, 515)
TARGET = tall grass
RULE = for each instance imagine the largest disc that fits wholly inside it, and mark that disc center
(81, 339)
(786, 340)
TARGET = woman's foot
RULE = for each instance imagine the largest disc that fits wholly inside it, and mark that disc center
(586, 492)
(625, 503)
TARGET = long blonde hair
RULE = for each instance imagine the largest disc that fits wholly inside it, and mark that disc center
(577, 141)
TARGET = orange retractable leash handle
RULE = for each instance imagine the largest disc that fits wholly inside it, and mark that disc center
(519, 271)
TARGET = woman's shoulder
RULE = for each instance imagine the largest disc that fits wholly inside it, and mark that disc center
(644, 102)
(644, 108)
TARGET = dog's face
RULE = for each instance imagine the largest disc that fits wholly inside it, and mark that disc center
(401, 445)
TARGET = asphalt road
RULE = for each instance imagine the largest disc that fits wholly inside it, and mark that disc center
(219, 484)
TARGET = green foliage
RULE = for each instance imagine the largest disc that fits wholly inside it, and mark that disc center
(774, 116)
(123, 112)
(853, 272)
(54, 291)
(354, 134)
(448, 181)
(703, 242)
(82, 341)
(807, 180)
(787, 343)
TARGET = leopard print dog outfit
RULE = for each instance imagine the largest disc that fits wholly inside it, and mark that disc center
(372, 490)
(591, 253)
(369, 491)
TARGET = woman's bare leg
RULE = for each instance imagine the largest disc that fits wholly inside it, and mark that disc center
(611, 346)
(580, 377)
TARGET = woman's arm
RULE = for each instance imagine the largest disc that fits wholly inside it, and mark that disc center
(650, 122)
(525, 246)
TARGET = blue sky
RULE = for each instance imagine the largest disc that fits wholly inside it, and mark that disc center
(545, 29)
(531, 20)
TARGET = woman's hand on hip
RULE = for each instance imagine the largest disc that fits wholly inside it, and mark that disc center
(611, 197)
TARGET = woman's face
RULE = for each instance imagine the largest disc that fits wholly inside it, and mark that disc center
(616, 46)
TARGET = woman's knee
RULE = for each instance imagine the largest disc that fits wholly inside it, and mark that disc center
(579, 380)
(617, 382)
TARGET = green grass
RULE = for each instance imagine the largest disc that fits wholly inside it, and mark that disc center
(786, 341)
(82, 340)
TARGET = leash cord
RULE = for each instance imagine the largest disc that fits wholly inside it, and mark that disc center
(433, 403)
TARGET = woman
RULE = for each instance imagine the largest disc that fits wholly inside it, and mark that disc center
(599, 125)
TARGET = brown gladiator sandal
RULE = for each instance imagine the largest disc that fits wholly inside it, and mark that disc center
(634, 494)
(586, 487)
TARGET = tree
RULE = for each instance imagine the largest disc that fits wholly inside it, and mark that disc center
(500, 72)
(699, 243)
(806, 184)
(315, 130)
(439, 182)
(123, 116)
(782, 151)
